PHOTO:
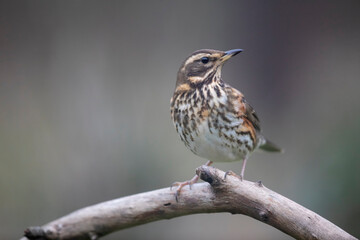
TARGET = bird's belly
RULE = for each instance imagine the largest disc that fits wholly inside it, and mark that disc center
(219, 144)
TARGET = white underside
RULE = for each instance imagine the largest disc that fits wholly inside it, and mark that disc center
(210, 146)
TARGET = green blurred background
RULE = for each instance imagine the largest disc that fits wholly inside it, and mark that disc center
(84, 106)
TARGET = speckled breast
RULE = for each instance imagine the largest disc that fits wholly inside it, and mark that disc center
(210, 123)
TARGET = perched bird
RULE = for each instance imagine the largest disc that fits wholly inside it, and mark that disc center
(212, 118)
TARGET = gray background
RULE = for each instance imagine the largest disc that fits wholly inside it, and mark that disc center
(84, 106)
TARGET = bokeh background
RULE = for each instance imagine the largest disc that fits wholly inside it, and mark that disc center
(84, 106)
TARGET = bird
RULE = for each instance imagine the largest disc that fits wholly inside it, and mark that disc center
(213, 119)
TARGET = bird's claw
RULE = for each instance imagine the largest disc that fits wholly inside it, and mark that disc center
(177, 194)
(231, 173)
(174, 184)
(180, 185)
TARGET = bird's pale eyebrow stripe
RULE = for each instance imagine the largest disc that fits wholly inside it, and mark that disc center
(196, 56)
(200, 55)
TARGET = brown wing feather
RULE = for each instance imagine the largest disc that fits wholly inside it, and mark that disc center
(238, 104)
(251, 114)
(265, 144)
(243, 107)
(251, 122)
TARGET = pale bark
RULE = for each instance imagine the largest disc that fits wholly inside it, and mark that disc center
(230, 195)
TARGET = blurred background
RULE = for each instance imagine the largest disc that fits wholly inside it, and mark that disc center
(84, 106)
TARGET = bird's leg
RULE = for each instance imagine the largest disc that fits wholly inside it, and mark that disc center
(180, 185)
(243, 169)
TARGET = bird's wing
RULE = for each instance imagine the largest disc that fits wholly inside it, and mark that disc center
(264, 143)
(251, 114)
(244, 108)
(251, 120)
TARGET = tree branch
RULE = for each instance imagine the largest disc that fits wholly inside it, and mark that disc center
(230, 195)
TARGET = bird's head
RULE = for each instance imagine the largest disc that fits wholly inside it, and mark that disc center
(202, 65)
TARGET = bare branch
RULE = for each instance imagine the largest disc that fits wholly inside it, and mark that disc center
(230, 195)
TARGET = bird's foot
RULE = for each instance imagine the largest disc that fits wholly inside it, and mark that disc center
(180, 185)
(231, 173)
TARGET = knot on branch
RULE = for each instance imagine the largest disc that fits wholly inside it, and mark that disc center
(210, 175)
(264, 216)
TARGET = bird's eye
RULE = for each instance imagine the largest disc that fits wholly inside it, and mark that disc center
(205, 60)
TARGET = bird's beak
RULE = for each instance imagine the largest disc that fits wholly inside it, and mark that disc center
(229, 54)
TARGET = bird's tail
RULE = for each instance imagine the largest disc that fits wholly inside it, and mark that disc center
(269, 146)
